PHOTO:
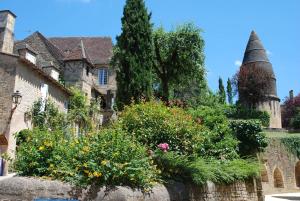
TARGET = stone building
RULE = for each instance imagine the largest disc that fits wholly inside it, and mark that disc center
(43, 68)
(255, 55)
(19, 71)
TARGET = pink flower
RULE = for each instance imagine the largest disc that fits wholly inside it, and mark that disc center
(163, 146)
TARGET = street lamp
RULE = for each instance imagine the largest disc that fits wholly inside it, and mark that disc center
(17, 97)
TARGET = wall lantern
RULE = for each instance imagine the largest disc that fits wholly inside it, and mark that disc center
(17, 97)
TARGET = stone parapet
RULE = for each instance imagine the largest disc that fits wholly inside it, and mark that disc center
(21, 188)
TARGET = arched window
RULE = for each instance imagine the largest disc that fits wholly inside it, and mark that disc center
(297, 174)
(264, 174)
(278, 178)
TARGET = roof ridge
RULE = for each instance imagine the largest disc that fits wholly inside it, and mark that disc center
(50, 45)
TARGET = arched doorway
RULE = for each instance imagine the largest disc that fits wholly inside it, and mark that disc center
(297, 174)
(264, 174)
(278, 178)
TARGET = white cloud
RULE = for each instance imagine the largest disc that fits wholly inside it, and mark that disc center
(238, 63)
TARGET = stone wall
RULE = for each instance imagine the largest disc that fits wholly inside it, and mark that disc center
(272, 106)
(278, 174)
(28, 82)
(7, 83)
(15, 74)
(18, 188)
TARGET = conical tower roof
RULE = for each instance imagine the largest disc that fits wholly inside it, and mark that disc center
(255, 50)
(255, 53)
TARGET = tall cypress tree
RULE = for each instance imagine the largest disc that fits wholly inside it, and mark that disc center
(133, 54)
(229, 92)
(222, 93)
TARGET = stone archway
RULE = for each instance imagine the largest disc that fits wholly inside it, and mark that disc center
(278, 178)
(297, 174)
(264, 174)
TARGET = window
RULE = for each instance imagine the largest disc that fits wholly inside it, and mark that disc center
(87, 71)
(103, 76)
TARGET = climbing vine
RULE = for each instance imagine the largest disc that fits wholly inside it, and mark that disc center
(292, 144)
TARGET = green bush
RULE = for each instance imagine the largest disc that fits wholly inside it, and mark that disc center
(106, 158)
(295, 121)
(292, 144)
(219, 141)
(35, 151)
(249, 133)
(152, 123)
(198, 170)
(239, 112)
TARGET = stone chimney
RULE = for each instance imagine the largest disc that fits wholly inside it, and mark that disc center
(291, 93)
(7, 24)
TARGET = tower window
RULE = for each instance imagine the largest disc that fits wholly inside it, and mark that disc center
(87, 71)
(103, 76)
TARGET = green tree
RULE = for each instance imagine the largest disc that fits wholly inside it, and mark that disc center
(229, 92)
(133, 54)
(222, 94)
(179, 58)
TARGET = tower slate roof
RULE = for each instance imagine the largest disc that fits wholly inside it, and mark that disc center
(256, 55)
(255, 50)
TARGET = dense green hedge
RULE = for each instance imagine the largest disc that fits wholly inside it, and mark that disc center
(249, 133)
(199, 170)
(239, 112)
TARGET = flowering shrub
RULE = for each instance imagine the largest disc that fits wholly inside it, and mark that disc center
(152, 123)
(163, 146)
(106, 158)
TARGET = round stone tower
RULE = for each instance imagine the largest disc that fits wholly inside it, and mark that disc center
(255, 55)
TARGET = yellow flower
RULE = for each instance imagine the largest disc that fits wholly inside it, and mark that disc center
(48, 144)
(86, 149)
(104, 162)
(97, 174)
(41, 148)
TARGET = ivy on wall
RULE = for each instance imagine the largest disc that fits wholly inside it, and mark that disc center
(292, 144)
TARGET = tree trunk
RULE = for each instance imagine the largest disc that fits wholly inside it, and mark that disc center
(165, 90)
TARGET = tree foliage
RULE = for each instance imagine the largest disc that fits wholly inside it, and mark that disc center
(222, 93)
(179, 59)
(133, 54)
(229, 92)
(291, 109)
(252, 84)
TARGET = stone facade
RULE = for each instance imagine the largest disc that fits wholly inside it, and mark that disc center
(17, 74)
(272, 106)
(18, 188)
(280, 173)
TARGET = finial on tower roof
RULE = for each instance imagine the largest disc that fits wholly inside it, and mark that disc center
(255, 50)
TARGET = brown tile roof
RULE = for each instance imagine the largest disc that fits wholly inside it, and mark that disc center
(98, 49)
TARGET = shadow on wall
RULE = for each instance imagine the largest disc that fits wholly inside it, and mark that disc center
(278, 178)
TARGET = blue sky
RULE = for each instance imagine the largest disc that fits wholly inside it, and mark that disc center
(226, 27)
